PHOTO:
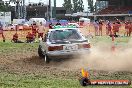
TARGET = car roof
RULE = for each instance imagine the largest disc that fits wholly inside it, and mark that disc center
(72, 23)
(62, 29)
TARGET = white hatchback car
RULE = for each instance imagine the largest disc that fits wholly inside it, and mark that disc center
(62, 43)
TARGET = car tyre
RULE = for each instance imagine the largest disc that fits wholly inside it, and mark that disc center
(40, 52)
(46, 59)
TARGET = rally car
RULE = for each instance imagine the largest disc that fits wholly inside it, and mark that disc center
(62, 43)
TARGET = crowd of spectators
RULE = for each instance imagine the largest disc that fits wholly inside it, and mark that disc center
(113, 28)
(115, 10)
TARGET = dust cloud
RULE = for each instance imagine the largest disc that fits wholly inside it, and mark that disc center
(103, 58)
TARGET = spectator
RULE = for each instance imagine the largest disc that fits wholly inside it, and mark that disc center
(108, 28)
(15, 39)
(1, 32)
(130, 29)
(34, 29)
(100, 27)
(114, 28)
(30, 38)
(126, 29)
(96, 26)
(50, 26)
(41, 30)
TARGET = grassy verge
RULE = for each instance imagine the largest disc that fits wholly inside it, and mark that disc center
(36, 81)
(9, 47)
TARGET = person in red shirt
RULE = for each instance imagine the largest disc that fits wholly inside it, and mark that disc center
(116, 27)
(15, 39)
(126, 28)
(34, 29)
(130, 28)
(1, 32)
(30, 38)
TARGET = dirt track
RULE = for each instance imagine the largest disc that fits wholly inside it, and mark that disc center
(21, 61)
(29, 61)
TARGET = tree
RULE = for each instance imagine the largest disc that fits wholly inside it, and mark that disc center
(4, 6)
(91, 5)
(78, 6)
(18, 11)
(75, 6)
(68, 6)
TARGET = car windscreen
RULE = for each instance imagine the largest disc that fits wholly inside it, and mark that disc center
(64, 35)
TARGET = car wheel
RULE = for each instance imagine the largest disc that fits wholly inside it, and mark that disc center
(40, 52)
(46, 59)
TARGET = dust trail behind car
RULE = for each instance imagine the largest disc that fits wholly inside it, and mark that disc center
(102, 58)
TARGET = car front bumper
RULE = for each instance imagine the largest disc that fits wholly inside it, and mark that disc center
(66, 54)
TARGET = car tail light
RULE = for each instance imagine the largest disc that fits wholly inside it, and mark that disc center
(84, 46)
(55, 48)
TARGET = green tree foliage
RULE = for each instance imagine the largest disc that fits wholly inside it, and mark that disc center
(91, 5)
(75, 6)
(78, 6)
(4, 7)
(67, 5)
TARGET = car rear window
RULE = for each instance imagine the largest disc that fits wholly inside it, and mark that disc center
(68, 34)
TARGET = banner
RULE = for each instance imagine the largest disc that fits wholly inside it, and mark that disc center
(5, 18)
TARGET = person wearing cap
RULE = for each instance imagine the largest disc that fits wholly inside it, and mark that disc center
(1, 32)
